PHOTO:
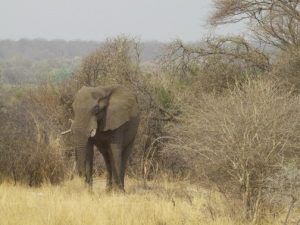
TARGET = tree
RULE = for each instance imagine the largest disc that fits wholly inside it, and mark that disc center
(274, 22)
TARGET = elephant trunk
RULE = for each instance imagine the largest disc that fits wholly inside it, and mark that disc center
(81, 141)
(83, 128)
(80, 153)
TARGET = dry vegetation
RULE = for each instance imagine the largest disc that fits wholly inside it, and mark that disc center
(164, 203)
(238, 141)
(221, 115)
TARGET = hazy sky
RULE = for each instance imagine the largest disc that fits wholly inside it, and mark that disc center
(162, 20)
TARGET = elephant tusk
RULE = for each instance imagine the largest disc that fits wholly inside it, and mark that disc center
(93, 132)
(66, 132)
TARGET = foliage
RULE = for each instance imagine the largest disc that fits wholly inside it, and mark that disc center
(166, 99)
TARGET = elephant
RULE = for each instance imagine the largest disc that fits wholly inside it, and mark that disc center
(106, 117)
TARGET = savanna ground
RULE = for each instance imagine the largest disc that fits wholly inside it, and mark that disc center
(159, 203)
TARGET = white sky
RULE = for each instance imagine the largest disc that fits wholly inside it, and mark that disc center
(162, 20)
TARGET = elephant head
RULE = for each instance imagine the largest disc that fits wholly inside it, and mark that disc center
(96, 110)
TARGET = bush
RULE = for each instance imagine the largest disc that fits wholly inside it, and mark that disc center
(239, 141)
(31, 147)
(287, 68)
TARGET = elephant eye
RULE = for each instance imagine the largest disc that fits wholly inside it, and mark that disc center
(96, 109)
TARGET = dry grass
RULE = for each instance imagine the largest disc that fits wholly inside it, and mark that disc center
(72, 204)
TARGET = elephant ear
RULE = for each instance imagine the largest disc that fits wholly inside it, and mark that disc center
(121, 107)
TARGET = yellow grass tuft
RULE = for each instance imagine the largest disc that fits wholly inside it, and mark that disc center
(72, 204)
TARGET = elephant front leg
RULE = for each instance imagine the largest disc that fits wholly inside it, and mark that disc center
(116, 165)
(89, 165)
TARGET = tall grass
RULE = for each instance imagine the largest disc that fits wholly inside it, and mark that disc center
(72, 204)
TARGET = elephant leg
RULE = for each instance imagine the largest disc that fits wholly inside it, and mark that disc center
(116, 164)
(89, 165)
(125, 156)
(108, 169)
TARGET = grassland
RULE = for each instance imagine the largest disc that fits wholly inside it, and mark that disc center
(72, 204)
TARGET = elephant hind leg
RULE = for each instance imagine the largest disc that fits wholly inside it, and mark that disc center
(125, 156)
(116, 165)
(108, 170)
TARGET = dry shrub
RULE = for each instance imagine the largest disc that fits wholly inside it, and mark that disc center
(112, 61)
(31, 146)
(239, 141)
(217, 75)
(287, 68)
